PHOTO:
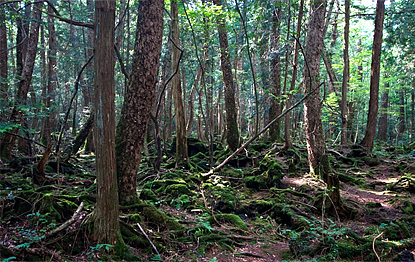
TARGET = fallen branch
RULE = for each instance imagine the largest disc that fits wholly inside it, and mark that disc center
(67, 223)
(154, 247)
(373, 245)
(219, 167)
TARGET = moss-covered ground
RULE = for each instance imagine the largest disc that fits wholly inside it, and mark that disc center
(262, 206)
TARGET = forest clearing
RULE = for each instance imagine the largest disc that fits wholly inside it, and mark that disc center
(152, 130)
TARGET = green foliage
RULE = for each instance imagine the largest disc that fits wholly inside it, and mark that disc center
(98, 248)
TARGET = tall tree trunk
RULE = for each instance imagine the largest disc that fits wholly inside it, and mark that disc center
(107, 229)
(275, 107)
(3, 62)
(50, 121)
(87, 90)
(412, 114)
(402, 121)
(346, 74)
(312, 110)
(132, 125)
(383, 118)
(8, 142)
(316, 147)
(374, 77)
(232, 135)
(288, 103)
(181, 140)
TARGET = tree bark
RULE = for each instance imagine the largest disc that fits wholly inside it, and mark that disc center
(181, 140)
(288, 103)
(402, 121)
(23, 85)
(383, 118)
(106, 214)
(374, 77)
(232, 135)
(3, 61)
(346, 74)
(50, 121)
(275, 107)
(139, 96)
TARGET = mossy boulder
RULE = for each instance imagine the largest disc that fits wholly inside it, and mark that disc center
(148, 194)
(176, 190)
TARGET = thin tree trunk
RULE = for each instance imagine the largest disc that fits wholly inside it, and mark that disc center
(50, 121)
(232, 135)
(402, 121)
(180, 124)
(346, 74)
(288, 103)
(374, 77)
(3, 62)
(275, 107)
(383, 118)
(7, 144)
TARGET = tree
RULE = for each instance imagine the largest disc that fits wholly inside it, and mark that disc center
(23, 85)
(50, 122)
(107, 229)
(346, 74)
(316, 147)
(288, 103)
(181, 140)
(232, 133)
(139, 96)
(275, 107)
(374, 77)
(383, 118)
(3, 58)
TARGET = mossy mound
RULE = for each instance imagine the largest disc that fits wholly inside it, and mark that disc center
(148, 194)
(256, 182)
(232, 219)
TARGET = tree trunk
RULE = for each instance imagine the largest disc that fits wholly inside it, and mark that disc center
(232, 135)
(107, 229)
(3, 62)
(383, 118)
(8, 142)
(132, 125)
(275, 107)
(288, 103)
(181, 140)
(50, 121)
(316, 147)
(87, 90)
(346, 74)
(374, 77)
(401, 129)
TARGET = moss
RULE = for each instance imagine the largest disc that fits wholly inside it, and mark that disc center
(176, 190)
(198, 157)
(157, 217)
(371, 160)
(261, 206)
(148, 194)
(256, 182)
(229, 218)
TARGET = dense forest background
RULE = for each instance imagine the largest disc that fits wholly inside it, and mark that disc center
(125, 91)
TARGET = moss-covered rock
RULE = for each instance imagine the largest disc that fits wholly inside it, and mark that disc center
(176, 190)
(148, 194)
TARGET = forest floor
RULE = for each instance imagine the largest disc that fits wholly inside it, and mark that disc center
(262, 206)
